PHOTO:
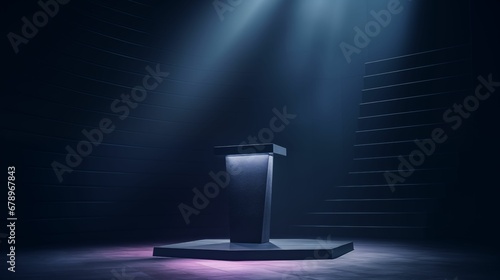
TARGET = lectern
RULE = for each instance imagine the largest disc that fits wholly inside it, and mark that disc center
(250, 169)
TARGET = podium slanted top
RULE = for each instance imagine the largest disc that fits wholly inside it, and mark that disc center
(250, 149)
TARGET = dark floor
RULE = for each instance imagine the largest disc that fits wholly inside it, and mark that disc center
(370, 260)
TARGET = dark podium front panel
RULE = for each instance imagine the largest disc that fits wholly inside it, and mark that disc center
(250, 169)
(250, 197)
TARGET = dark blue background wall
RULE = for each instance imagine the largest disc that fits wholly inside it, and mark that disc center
(225, 78)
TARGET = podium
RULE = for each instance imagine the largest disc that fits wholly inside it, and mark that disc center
(250, 170)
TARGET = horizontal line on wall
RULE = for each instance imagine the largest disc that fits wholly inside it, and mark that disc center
(149, 134)
(115, 114)
(417, 53)
(122, 12)
(413, 82)
(111, 23)
(132, 29)
(132, 159)
(87, 28)
(418, 67)
(383, 171)
(152, 62)
(377, 199)
(114, 217)
(107, 187)
(396, 156)
(385, 185)
(141, 74)
(143, 103)
(133, 228)
(114, 53)
(402, 113)
(79, 170)
(138, 3)
(381, 227)
(368, 213)
(121, 202)
(76, 141)
(387, 143)
(413, 97)
(398, 127)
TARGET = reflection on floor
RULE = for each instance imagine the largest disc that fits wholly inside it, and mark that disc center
(369, 260)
